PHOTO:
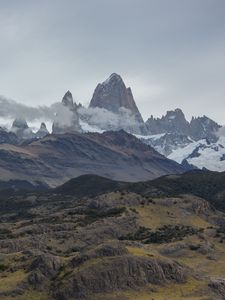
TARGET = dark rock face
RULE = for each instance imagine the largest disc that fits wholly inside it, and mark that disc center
(42, 132)
(173, 122)
(203, 127)
(68, 100)
(7, 137)
(72, 124)
(112, 95)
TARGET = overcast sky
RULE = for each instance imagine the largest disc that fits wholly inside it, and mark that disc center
(171, 52)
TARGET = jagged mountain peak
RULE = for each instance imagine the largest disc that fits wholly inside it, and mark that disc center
(173, 122)
(72, 124)
(20, 123)
(114, 77)
(43, 126)
(43, 131)
(204, 127)
(112, 94)
(67, 99)
(176, 112)
(21, 129)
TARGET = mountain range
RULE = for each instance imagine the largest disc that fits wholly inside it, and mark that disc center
(194, 144)
(109, 207)
(58, 157)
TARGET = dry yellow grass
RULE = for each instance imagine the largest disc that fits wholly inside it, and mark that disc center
(9, 281)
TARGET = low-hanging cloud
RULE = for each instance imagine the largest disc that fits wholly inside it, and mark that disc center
(56, 112)
(107, 120)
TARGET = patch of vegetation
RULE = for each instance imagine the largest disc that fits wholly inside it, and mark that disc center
(165, 234)
(204, 184)
(93, 215)
(5, 234)
(3, 267)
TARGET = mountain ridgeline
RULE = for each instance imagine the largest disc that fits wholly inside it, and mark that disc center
(113, 108)
(57, 158)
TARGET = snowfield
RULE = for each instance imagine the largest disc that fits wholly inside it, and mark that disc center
(203, 154)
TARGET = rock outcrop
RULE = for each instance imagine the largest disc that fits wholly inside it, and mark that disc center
(42, 267)
(118, 273)
(218, 286)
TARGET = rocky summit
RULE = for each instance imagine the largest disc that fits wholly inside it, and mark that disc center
(67, 119)
(113, 95)
(42, 132)
(21, 129)
(174, 122)
(175, 137)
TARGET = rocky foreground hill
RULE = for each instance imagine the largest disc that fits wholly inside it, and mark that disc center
(94, 238)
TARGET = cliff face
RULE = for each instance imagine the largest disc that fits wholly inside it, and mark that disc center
(172, 122)
(113, 95)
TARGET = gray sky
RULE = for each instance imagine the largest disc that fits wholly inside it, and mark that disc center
(171, 52)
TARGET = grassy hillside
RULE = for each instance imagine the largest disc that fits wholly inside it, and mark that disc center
(94, 238)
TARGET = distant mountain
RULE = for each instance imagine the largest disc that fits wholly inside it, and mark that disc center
(22, 130)
(113, 108)
(67, 120)
(42, 132)
(173, 132)
(203, 128)
(112, 95)
(7, 137)
(202, 154)
(174, 122)
(166, 143)
(57, 158)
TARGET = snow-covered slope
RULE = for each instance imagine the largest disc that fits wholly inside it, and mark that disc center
(202, 154)
(166, 143)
